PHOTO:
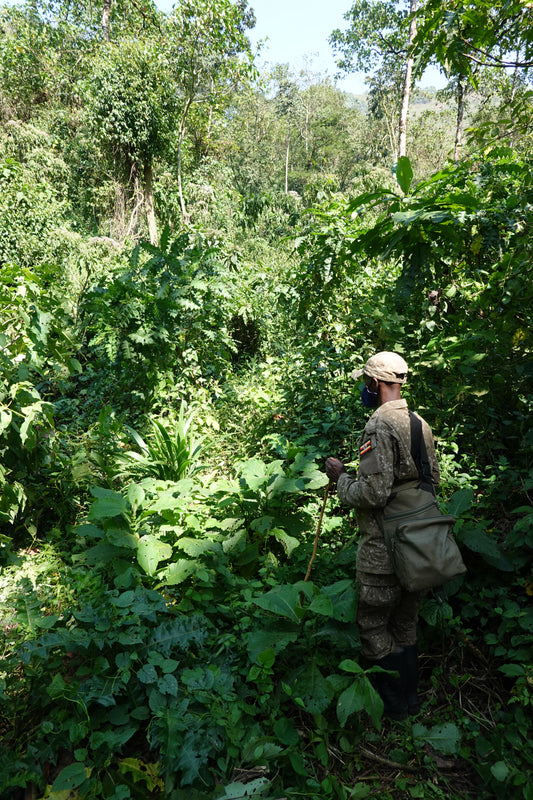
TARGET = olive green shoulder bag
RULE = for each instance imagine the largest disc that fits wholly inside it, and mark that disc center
(418, 535)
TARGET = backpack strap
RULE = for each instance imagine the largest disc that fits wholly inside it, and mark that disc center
(419, 454)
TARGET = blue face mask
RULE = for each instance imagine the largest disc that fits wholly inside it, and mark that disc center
(370, 399)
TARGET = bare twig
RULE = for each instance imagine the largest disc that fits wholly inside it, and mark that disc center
(315, 547)
(493, 60)
(387, 761)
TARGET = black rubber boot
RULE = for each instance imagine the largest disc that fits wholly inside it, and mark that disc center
(390, 687)
(409, 678)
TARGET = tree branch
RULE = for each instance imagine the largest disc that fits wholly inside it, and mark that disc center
(387, 762)
(494, 61)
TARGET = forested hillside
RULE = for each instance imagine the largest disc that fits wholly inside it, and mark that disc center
(194, 256)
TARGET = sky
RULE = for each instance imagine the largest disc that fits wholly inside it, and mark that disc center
(297, 34)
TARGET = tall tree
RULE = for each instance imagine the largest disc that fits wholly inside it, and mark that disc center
(382, 103)
(333, 138)
(288, 108)
(141, 93)
(39, 62)
(329, 141)
(380, 33)
(106, 11)
(408, 80)
(460, 36)
(106, 19)
(130, 106)
(209, 56)
(468, 39)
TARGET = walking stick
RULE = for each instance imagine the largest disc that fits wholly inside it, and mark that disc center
(315, 547)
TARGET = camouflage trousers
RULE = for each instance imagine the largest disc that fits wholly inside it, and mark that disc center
(387, 614)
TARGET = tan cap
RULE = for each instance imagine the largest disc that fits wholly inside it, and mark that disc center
(389, 367)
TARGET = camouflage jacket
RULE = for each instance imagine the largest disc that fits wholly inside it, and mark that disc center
(385, 459)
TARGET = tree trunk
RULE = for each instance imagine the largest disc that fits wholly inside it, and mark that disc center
(460, 120)
(392, 131)
(105, 19)
(402, 141)
(307, 165)
(186, 217)
(210, 116)
(138, 201)
(118, 225)
(515, 77)
(287, 164)
(149, 203)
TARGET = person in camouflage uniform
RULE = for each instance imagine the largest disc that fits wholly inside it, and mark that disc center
(387, 614)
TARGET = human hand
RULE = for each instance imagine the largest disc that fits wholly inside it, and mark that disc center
(334, 469)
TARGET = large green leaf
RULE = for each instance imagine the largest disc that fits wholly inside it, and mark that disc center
(444, 738)
(408, 217)
(145, 773)
(5, 418)
(239, 791)
(348, 665)
(151, 551)
(122, 538)
(57, 688)
(283, 600)
(321, 604)
(343, 599)
(369, 198)
(262, 525)
(197, 747)
(107, 504)
(289, 543)
(512, 670)
(276, 639)
(306, 467)
(360, 696)
(286, 731)
(103, 553)
(197, 547)
(235, 543)
(481, 541)
(148, 674)
(112, 738)
(500, 770)
(404, 173)
(349, 702)
(71, 778)
(313, 688)
(136, 496)
(178, 572)
(460, 502)
(174, 499)
(254, 473)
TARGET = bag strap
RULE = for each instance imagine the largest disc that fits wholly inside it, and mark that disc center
(419, 454)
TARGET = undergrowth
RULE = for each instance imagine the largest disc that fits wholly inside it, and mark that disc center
(158, 638)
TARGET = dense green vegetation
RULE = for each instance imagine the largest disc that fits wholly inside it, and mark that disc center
(194, 256)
